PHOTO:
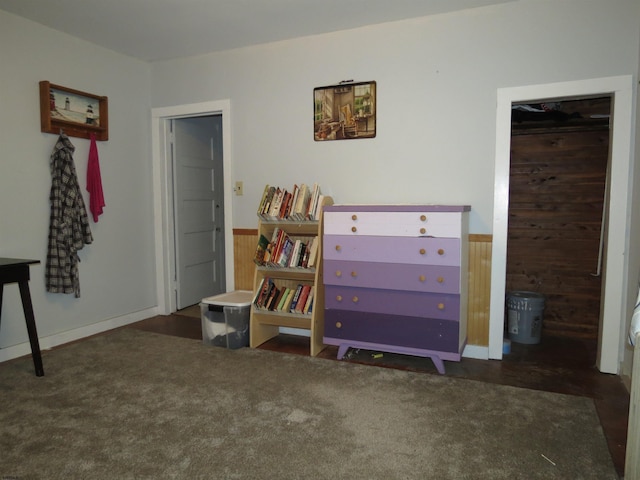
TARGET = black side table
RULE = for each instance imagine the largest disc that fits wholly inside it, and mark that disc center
(16, 270)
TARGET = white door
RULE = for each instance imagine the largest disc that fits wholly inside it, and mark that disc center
(198, 208)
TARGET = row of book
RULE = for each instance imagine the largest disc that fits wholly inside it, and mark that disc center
(298, 299)
(300, 203)
(283, 251)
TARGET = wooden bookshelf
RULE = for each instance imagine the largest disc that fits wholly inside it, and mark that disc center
(265, 324)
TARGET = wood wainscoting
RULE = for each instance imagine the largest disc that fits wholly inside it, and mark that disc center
(244, 246)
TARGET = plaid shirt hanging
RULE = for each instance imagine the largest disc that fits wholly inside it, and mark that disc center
(69, 223)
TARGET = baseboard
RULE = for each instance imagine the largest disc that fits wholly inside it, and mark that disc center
(46, 343)
(476, 351)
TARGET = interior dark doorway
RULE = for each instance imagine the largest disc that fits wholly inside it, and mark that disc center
(558, 190)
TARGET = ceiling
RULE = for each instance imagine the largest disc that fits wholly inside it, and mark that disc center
(163, 29)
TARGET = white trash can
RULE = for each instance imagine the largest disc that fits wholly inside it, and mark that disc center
(225, 319)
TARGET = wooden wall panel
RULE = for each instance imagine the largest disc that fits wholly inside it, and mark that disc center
(556, 198)
(244, 247)
(479, 289)
(245, 240)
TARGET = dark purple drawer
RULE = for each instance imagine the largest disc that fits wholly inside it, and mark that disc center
(393, 276)
(423, 250)
(412, 332)
(393, 302)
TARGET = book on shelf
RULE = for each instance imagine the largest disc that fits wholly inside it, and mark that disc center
(283, 298)
(302, 299)
(302, 255)
(263, 199)
(287, 303)
(310, 311)
(313, 202)
(300, 203)
(318, 209)
(276, 244)
(309, 301)
(266, 206)
(273, 293)
(313, 253)
(294, 301)
(276, 299)
(275, 204)
(259, 291)
(285, 206)
(294, 199)
(295, 254)
(263, 292)
(261, 250)
(285, 252)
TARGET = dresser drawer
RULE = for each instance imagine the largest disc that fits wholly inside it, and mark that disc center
(398, 224)
(423, 251)
(412, 332)
(393, 302)
(392, 276)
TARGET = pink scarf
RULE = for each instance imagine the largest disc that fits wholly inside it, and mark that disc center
(94, 182)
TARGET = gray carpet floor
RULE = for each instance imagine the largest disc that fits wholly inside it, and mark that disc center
(139, 405)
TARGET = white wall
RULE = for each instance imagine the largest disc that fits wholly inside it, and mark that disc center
(437, 81)
(117, 272)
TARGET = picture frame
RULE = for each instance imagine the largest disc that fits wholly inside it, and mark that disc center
(346, 111)
(76, 113)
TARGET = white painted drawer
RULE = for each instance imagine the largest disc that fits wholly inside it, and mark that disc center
(394, 224)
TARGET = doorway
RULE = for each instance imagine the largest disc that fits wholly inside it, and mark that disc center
(557, 214)
(164, 217)
(198, 208)
(616, 284)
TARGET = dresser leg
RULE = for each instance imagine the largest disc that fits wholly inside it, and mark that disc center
(437, 361)
(342, 349)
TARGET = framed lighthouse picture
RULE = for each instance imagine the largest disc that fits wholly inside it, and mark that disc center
(76, 113)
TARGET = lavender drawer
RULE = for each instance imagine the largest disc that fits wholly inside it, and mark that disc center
(425, 333)
(393, 276)
(423, 251)
(393, 302)
(395, 224)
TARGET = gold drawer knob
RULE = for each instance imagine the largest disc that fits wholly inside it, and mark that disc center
(354, 217)
(440, 279)
(422, 278)
(441, 251)
(339, 298)
(338, 248)
(338, 324)
(441, 306)
(422, 251)
(423, 218)
(354, 299)
(338, 273)
(423, 231)
(354, 229)
(354, 274)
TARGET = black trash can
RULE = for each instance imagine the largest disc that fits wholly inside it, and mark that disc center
(524, 313)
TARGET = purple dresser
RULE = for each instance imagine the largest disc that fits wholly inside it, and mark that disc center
(396, 279)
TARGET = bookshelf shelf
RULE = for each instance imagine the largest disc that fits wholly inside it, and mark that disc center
(264, 323)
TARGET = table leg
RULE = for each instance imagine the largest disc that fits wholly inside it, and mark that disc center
(31, 327)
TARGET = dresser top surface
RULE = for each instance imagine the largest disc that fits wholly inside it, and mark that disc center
(397, 208)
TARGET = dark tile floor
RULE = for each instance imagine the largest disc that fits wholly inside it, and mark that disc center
(556, 364)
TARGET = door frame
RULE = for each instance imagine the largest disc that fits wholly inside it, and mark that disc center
(616, 271)
(162, 195)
